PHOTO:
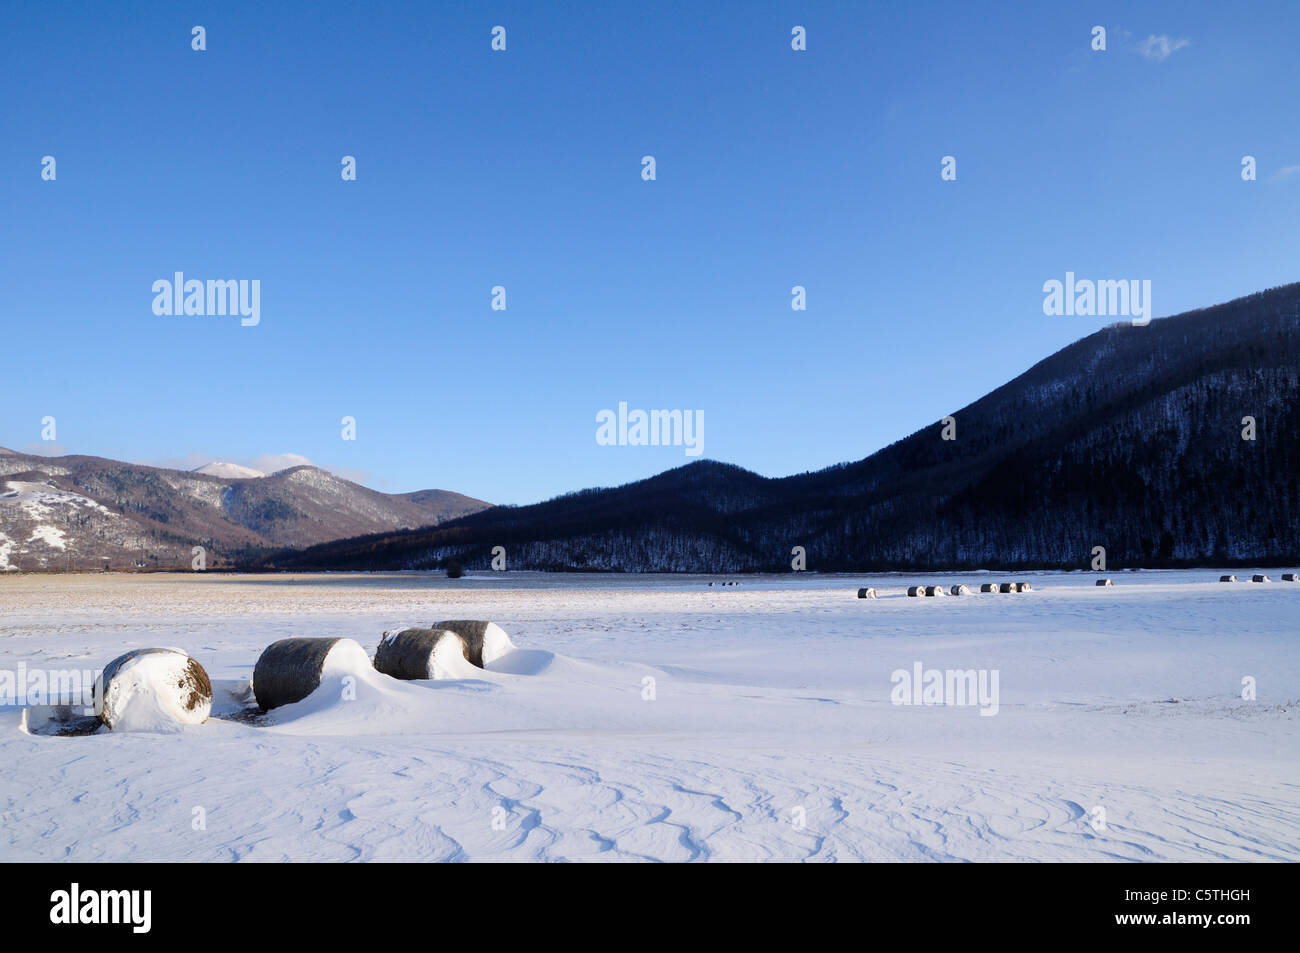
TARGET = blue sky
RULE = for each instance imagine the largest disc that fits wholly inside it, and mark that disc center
(477, 168)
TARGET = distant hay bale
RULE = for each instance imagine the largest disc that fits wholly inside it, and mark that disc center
(1008, 587)
(989, 587)
(916, 590)
(867, 593)
(1259, 577)
(1290, 577)
(486, 641)
(934, 591)
(146, 688)
(291, 669)
(1104, 582)
(419, 653)
(1024, 587)
(960, 590)
(1227, 579)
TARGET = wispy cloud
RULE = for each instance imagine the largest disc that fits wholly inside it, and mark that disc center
(187, 461)
(1284, 173)
(44, 448)
(1160, 48)
(275, 462)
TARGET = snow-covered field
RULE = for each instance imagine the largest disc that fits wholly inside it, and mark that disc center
(663, 718)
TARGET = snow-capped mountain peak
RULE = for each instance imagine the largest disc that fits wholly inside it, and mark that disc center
(229, 471)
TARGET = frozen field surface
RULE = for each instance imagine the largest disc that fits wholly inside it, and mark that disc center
(661, 718)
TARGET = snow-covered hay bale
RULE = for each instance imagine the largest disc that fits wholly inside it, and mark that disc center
(153, 688)
(867, 593)
(1008, 587)
(1259, 577)
(960, 590)
(989, 587)
(934, 591)
(916, 590)
(1227, 579)
(486, 641)
(1290, 577)
(421, 654)
(1104, 582)
(291, 669)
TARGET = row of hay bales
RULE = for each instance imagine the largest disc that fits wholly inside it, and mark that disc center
(170, 685)
(1262, 577)
(869, 592)
(291, 669)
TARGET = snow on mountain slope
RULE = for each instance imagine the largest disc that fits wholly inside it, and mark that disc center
(39, 500)
(39, 518)
(49, 535)
(12, 463)
(130, 516)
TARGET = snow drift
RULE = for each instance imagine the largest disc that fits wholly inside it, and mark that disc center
(415, 653)
(487, 641)
(292, 669)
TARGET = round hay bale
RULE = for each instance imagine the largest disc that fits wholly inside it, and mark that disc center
(867, 593)
(1259, 577)
(960, 590)
(420, 653)
(151, 688)
(291, 669)
(916, 590)
(1227, 579)
(1024, 587)
(486, 641)
(1008, 587)
(989, 587)
(1290, 577)
(1104, 582)
(934, 590)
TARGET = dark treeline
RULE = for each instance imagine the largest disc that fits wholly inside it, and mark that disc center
(1130, 439)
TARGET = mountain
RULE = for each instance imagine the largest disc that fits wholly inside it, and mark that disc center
(1130, 439)
(229, 470)
(80, 512)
